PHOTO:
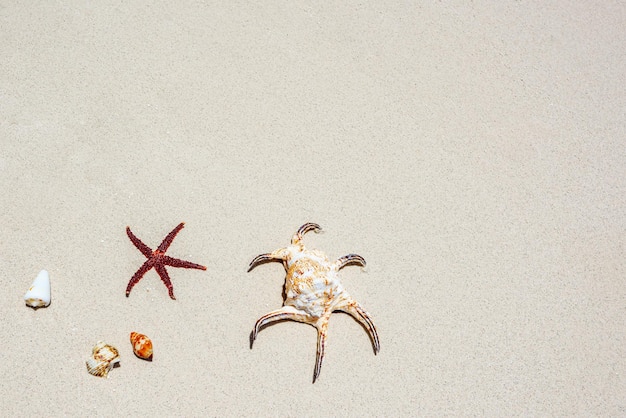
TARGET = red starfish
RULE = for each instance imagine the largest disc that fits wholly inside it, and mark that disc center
(159, 260)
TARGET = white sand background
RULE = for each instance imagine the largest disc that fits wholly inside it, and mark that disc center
(474, 153)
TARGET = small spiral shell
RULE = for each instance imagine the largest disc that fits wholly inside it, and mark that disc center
(142, 345)
(105, 357)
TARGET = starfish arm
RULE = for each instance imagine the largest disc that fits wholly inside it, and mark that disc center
(167, 241)
(284, 313)
(165, 278)
(138, 275)
(352, 308)
(145, 250)
(176, 262)
(349, 259)
(321, 343)
(309, 226)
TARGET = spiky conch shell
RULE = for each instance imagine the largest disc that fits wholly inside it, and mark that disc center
(105, 357)
(142, 345)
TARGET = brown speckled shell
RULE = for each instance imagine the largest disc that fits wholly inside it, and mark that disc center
(142, 346)
(104, 359)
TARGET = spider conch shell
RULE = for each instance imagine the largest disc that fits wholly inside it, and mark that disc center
(105, 357)
(38, 296)
(142, 346)
(313, 291)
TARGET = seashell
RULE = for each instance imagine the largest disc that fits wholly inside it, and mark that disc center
(105, 357)
(38, 296)
(313, 291)
(142, 346)
(105, 352)
(99, 368)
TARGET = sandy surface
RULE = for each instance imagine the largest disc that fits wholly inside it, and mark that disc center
(473, 153)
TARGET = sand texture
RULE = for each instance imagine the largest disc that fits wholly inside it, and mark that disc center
(474, 153)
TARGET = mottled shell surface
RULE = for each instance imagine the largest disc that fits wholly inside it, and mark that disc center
(142, 345)
(105, 352)
(104, 358)
(311, 283)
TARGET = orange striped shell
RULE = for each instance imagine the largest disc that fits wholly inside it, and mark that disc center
(142, 346)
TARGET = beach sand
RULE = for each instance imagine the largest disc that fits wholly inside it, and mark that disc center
(474, 155)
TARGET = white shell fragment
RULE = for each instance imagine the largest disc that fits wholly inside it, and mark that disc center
(38, 296)
(105, 357)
